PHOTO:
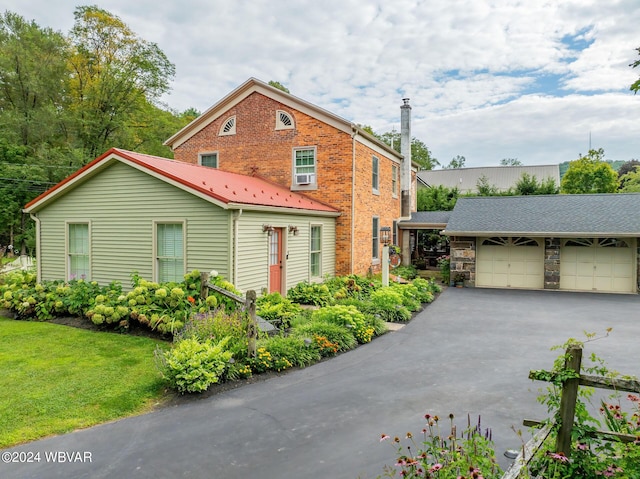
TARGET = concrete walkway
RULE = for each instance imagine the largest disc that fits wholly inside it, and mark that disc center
(467, 353)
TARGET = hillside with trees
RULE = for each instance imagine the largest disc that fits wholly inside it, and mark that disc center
(67, 98)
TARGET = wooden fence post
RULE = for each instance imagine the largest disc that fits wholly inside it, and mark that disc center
(568, 401)
(204, 285)
(252, 328)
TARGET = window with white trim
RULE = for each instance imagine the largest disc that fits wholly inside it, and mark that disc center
(78, 251)
(169, 252)
(304, 167)
(228, 127)
(284, 121)
(375, 174)
(394, 180)
(375, 238)
(208, 159)
(316, 251)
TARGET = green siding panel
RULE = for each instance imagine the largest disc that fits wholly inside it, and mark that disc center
(252, 257)
(121, 204)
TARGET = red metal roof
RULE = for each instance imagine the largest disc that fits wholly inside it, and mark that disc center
(220, 185)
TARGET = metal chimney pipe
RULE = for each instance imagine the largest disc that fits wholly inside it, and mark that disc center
(405, 150)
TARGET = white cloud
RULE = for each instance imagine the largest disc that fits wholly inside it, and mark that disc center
(487, 79)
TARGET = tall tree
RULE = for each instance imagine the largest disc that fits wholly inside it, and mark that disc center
(113, 72)
(279, 86)
(627, 167)
(485, 188)
(420, 153)
(630, 182)
(437, 198)
(457, 162)
(529, 185)
(32, 81)
(636, 85)
(590, 174)
(510, 162)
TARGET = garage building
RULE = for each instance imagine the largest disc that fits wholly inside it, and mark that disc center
(567, 242)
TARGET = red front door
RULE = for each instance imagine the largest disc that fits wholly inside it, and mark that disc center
(275, 261)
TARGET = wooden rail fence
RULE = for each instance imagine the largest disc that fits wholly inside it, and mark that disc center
(567, 412)
(255, 322)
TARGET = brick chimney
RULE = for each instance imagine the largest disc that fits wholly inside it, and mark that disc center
(405, 150)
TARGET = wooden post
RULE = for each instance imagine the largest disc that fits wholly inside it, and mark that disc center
(568, 401)
(252, 328)
(204, 285)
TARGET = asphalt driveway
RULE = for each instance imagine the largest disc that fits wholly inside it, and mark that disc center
(467, 353)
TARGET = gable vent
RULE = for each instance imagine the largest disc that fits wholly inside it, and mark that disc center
(284, 121)
(228, 127)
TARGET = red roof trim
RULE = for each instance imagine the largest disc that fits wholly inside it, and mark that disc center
(212, 183)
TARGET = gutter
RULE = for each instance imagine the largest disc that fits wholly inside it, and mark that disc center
(233, 263)
(353, 196)
(538, 234)
(34, 217)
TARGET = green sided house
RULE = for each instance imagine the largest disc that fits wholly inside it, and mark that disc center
(128, 212)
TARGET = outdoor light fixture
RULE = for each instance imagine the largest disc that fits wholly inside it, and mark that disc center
(293, 229)
(385, 235)
(268, 229)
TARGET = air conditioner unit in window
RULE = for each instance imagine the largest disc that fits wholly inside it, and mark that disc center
(305, 179)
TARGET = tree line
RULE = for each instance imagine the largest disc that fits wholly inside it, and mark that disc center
(67, 98)
(587, 175)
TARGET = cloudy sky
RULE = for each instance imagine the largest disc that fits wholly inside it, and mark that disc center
(535, 80)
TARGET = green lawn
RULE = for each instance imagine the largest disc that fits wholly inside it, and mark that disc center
(54, 379)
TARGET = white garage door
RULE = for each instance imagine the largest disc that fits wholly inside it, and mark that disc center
(598, 264)
(506, 262)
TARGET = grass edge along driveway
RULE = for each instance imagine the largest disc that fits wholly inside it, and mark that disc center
(55, 379)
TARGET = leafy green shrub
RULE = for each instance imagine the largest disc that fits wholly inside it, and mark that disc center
(409, 295)
(407, 272)
(283, 352)
(347, 316)
(193, 366)
(215, 325)
(376, 322)
(350, 287)
(389, 305)
(339, 335)
(277, 309)
(310, 293)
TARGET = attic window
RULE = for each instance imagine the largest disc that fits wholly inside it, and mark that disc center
(284, 121)
(228, 127)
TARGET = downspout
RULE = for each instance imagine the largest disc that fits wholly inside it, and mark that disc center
(35, 218)
(353, 198)
(234, 254)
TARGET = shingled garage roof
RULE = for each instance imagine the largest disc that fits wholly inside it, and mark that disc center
(553, 215)
(225, 189)
(426, 220)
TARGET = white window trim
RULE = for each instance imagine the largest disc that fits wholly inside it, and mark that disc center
(375, 160)
(232, 130)
(314, 184)
(280, 125)
(208, 153)
(375, 256)
(67, 265)
(395, 169)
(312, 251)
(154, 252)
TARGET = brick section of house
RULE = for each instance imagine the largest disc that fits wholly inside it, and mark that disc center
(258, 148)
(382, 204)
